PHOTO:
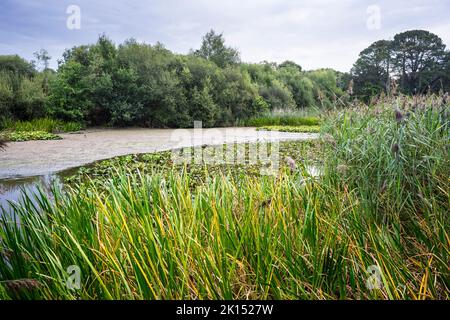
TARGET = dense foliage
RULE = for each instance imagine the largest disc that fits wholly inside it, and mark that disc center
(415, 61)
(22, 93)
(148, 85)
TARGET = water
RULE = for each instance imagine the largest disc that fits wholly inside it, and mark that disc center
(12, 190)
(26, 165)
(36, 158)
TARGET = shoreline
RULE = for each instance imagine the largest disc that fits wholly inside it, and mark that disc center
(37, 158)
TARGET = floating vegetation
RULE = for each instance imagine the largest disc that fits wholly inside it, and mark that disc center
(29, 135)
(306, 129)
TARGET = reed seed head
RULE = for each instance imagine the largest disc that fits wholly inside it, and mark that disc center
(398, 116)
(291, 163)
(395, 148)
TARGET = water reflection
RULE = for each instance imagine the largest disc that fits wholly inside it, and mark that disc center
(12, 190)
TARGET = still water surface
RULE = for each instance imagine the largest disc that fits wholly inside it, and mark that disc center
(26, 165)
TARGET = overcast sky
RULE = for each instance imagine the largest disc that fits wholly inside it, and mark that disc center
(313, 33)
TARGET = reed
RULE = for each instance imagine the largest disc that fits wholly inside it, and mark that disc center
(290, 236)
(309, 117)
(42, 124)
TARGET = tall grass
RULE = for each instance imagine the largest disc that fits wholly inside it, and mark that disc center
(151, 236)
(308, 117)
(43, 124)
(303, 128)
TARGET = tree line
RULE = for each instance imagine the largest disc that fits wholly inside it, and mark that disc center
(414, 62)
(147, 85)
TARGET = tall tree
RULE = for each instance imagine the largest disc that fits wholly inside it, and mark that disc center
(445, 81)
(371, 72)
(43, 58)
(418, 57)
(213, 48)
(14, 64)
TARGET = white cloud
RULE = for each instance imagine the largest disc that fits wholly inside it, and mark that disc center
(314, 33)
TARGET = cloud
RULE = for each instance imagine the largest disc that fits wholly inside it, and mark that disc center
(315, 34)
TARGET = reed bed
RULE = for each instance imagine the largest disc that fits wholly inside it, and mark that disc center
(42, 124)
(304, 129)
(307, 117)
(381, 203)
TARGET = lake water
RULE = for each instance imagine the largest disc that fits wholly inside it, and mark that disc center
(27, 165)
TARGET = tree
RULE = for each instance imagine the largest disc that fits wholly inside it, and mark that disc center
(6, 96)
(445, 73)
(325, 87)
(203, 105)
(418, 57)
(289, 64)
(371, 72)
(14, 64)
(213, 48)
(43, 58)
(21, 89)
(289, 73)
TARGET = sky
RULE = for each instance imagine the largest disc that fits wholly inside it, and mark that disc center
(313, 33)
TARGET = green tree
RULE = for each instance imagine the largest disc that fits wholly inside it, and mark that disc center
(17, 66)
(298, 84)
(203, 105)
(213, 48)
(21, 89)
(290, 64)
(371, 72)
(443, 80)
(6, 96)
(43, 58)
(326, 90)
(418, 56)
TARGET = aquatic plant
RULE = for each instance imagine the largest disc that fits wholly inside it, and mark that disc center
(281, 119)
(43, 124)
(28, 135)
(306, 129)
(373, 225)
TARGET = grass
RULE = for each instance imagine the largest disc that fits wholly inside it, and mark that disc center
(306, 129)
(142, 232)
(36, 129)
(43, 124)
(20, 136)
(284, 118)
